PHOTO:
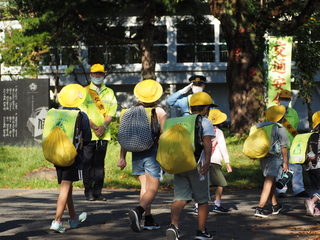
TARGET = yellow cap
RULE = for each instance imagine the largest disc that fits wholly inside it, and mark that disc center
(148, 91)
(72, 95)
(315, 119)
(201, 99)
(285, 94)
(275, 113)
(97, 68)
(217, 117)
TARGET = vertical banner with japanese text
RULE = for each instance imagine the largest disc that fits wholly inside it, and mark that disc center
(279, 67)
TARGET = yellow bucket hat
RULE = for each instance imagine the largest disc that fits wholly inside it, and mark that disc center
(275, 113)
(217, 117)
(201, 98)
(72, 95)
(97, 68)
(315, 119)
(285, 94)
(148, 91)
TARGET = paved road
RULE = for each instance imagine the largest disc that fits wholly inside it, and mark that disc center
(27, 214)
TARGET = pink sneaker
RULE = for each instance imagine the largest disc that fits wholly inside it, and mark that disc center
(316, 212)
(310, 206)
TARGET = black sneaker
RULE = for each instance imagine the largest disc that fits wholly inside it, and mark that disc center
(260, 213)
(151, 225)
(172, 233)
(219, 209)
(276, 209)
(203, 235)
(135, 219)
(100, 198)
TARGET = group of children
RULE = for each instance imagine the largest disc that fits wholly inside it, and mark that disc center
(190, 185)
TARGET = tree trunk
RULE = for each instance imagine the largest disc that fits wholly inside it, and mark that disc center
(246, 89)
(146, 43)
(245, 73)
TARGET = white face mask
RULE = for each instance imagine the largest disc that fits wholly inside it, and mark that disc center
(284, 103)
(96, 80)
(196, 89)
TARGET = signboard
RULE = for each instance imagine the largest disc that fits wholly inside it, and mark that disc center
(24, 104)
(279, 67)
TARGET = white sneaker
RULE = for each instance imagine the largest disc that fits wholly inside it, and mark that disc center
(55, 226)
(309, 207)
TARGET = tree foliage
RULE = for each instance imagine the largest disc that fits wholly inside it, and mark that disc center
(245, 24)
(306, 53)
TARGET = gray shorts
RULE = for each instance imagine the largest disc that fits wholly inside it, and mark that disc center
(187, 186)
(145, 161)
(270, 166)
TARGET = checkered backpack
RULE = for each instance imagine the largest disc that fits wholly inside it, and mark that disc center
(135, 131)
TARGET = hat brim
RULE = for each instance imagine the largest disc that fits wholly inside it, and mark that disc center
(222, 118)
(213, 105)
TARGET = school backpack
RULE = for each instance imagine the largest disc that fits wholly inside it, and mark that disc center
(258, 144)
(180, 145)
(138, 129)
(58, 145)
(304, 149)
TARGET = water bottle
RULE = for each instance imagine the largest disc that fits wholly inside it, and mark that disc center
(199, 169)
(285, 179)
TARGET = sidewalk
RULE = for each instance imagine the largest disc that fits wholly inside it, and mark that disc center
(27, 214)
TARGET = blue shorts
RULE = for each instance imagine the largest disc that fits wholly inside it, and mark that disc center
(145, 161)
(270, 166)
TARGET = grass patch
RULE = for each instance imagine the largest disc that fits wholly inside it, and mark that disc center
(16, 162)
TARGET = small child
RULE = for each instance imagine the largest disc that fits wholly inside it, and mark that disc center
(314, 175)
(271, 163)
(70, 98)
(219, 152)
(189, 185)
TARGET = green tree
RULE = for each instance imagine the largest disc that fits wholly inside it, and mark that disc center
(244, 24)
(306, 54)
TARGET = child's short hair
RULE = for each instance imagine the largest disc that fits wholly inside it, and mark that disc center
(198, 108)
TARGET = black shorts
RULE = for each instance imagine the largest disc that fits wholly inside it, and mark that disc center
(68, 174)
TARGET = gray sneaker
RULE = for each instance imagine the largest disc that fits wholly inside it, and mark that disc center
(173, 233)
(260, 213)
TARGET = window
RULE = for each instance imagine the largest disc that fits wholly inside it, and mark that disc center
(224, 54)
(122, 53)
(195, 43)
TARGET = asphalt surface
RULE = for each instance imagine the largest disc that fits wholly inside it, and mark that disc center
(27, 214)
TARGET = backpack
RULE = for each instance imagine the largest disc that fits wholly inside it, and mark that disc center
(258, 144)
(138, 129)
(59, 147)
(180, 145)
(304, 149)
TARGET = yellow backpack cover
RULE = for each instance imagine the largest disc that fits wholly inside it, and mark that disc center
(58, 149)
(257, 145)
(58, 146)
(175, 151)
